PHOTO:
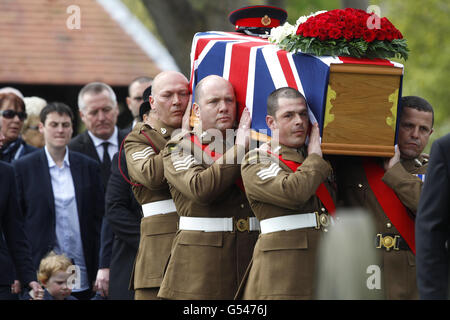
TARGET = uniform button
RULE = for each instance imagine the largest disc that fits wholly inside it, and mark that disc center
(323, 209)
(242, 206)
(360, 185)
(388, 225)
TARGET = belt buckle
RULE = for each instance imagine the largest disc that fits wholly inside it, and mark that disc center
(388, 242)
(242, 225)
(322, 221)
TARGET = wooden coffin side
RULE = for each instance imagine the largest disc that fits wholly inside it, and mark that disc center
(361, 110)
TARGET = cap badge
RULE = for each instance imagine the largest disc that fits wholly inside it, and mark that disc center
(266, 20)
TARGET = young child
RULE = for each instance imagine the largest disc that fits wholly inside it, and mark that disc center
(53, 275)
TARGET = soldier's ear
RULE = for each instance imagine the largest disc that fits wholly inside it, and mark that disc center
(270, 121)
(196, 109)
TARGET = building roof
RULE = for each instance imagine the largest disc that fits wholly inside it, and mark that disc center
(39, 45)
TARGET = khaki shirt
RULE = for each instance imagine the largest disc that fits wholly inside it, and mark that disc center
(145, 167)
(398, 268)
(283, 264)
(206, 265)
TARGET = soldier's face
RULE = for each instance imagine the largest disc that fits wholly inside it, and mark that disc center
(169, 99)
(99, 114)
(291, 121)
(216, 107)
(413, 132)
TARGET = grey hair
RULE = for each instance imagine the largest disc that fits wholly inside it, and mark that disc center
(96, 88)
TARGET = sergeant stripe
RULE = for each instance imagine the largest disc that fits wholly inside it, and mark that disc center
(267, 173)
(184, 164)
(143, 154)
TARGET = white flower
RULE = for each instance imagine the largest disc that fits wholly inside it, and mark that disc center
(303, 19)
(279, 33)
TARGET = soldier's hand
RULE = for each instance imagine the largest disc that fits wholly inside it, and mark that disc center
(314, 140)
(185, 123)
(389, 163)
(243, 130)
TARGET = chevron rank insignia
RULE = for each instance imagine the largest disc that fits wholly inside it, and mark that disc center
(143, 154)
(184, 163)
(269, 172)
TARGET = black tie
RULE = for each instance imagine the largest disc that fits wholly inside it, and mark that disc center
(106, 163)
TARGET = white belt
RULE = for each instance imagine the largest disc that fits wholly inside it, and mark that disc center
(158, 207)
(218, 224)
(290, 222)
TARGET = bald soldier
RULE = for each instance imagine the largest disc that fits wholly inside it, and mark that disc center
(217, 228)
(168, 101)
(282, 179)
(390, 190)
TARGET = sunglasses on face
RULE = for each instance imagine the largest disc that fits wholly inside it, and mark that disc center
(10, 114)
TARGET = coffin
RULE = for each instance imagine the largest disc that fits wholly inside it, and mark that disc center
(355, 101)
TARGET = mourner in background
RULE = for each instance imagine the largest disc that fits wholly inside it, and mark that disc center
(135, 96)
(98, 108)
(61, 194)
(14, 245)
(12, 109)
(433, 225)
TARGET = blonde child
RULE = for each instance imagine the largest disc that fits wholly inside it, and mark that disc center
(53, 275)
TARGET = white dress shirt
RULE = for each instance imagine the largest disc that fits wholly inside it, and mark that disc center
(67, 225)
(113, 146)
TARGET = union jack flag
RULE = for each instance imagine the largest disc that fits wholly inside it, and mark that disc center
(256, 67)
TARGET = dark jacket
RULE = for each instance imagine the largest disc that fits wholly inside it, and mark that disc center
(433, 224)
(123, 214)
(37, 202)
(12, 237)
(84, 144)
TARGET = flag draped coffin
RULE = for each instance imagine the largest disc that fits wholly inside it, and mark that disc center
(354, 101)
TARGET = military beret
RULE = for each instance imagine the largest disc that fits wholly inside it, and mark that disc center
(265, 17)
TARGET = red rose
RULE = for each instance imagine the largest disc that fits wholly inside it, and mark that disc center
(335, 33)
(323, 34)
(369, 35)
(358, 32)
(348, 34)
(380, 34)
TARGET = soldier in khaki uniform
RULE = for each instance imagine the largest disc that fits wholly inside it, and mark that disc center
(217, 229)
(282, 194)
(390, 190)
(169, 99)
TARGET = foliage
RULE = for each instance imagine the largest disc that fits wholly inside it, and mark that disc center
(427, 27)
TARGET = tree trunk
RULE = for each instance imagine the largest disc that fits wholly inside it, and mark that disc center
(178, 20)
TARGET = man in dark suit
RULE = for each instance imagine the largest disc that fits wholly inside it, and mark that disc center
(12, 235)
(135, 96)
(123, 214)
(433, 225)
(98, 108)
(62, 198)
